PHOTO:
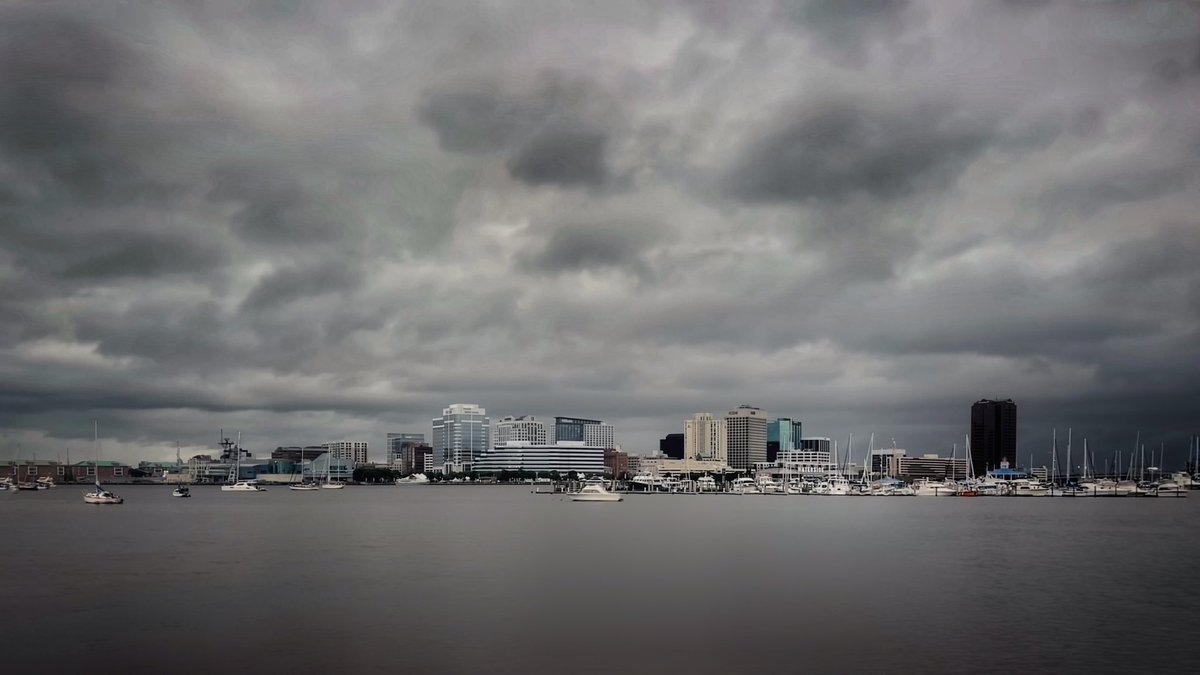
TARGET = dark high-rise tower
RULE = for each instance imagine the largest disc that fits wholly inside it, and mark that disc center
(993, 434)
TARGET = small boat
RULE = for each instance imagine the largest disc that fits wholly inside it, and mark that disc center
(595, 493)
(242, 486)
(304, 487)
(45, 483)
(31, 487)
(101, 496)
(1030, 488)
(744, 486)
(706, 484)
(1170, 489)
(414, 479)
(332, 486)
(934, 488)
(181, 491)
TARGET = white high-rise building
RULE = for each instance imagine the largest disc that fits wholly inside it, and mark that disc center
(460, 436)
(355, 451)
(598, 435)
(746, 431)
(522, 429)
(705, 438)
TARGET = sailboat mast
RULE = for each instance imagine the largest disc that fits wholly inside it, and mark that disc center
(1068, 455)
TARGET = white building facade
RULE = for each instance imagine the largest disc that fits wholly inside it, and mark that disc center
(705, 438)
(563, 457)
(522, 429)
(355, 451)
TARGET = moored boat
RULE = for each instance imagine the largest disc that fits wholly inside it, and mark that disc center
(594, 492)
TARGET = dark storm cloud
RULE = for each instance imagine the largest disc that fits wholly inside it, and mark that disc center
(316, 220)
(838, 149)
(553, 134)
(575, 248)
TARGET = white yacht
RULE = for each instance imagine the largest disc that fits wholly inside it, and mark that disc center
(330, 485)
(414, 479)
(1030, 488)
(243, 486)
(182, 491)
(593, 492)
(45, 482)
(769, 486)
(1125, 488)
(744, 486)
(706, 484)
(1103, 487)
(304, 487)
(836, 486)
(934, 488)
(1169, 488)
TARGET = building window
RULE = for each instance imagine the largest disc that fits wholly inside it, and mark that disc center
(31, 471)
(118, 471)
(91, 471)
(62, 470)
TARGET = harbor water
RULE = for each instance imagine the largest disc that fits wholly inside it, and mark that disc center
(494, 579)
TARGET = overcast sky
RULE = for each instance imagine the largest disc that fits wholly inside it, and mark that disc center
(309, 221)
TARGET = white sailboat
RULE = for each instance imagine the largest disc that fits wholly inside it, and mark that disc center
(100, 495)
(236, 484)
(329, 484)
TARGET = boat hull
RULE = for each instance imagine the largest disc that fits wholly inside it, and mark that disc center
(91, 498)
(610, 497)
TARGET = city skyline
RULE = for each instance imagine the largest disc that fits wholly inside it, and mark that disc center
(312, 222)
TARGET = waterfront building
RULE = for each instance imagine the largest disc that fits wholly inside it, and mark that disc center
(89, 472)
(399, 449)
(616, 462)
(672, 445)
(589, 432)
(668, 465)
(460, 436)
(746, 434)
(783, 435)
(817, 444)
(355, 451)
(297, 454)
(29, 470)
(329, 466)
(563, 457)
(930, 466)
(812, 463)
(706, 438)
(635, 464)
(522, 429)
(993, 434)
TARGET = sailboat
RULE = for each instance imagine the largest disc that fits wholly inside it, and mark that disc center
(304, 485)
(100, 496)
(329, 484)
(236, 484)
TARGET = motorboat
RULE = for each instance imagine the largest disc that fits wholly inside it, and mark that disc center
(414, 479)
(769, 486)
(1075, 490)
(243, 486)
(30, 487)
(836, 486)
(1168, 488)
(1103, 487)
(934, 488)
(45, 483)
(706, 484)
(1030, 488)
(1126, 488)
(744, 486)
(595, 493)
(304, 487)
(181, 491)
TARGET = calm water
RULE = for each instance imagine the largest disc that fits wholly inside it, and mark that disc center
(494, 579)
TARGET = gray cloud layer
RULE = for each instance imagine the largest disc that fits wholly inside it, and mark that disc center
(310, 221)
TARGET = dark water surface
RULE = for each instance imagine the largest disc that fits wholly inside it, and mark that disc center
(494, 579)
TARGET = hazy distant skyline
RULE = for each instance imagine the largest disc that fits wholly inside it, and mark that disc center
(314, 221)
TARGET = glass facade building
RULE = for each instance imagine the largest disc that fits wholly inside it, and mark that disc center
(460, 436)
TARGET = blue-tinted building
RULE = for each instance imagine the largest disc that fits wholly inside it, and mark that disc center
(460, 436)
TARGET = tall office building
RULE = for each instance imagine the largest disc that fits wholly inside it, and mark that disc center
(399, 449)
(671, 445)
(460, 436)
(589, 432)
(786, 432)
(355, 451)
(706, 438)
(523, 429)
(993, 434)
(746, 434)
